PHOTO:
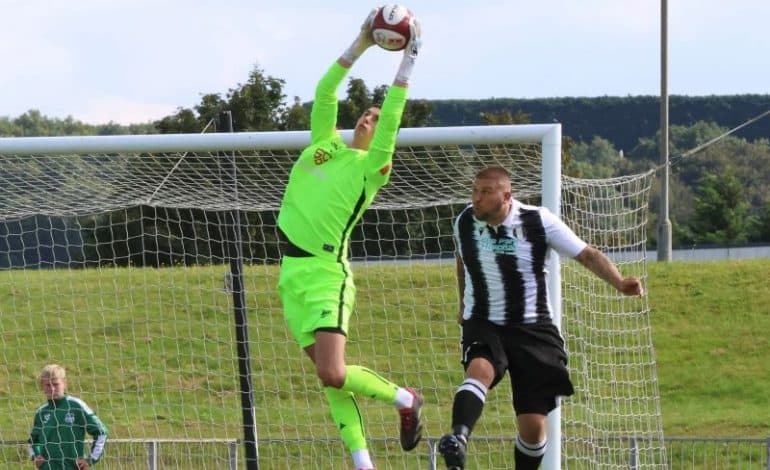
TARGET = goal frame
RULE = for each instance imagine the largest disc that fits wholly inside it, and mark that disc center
(547, 135)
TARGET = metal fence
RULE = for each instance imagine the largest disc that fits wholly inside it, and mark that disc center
(150, 453)
(691, 453)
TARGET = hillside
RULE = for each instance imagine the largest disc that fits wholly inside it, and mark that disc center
(621, 120)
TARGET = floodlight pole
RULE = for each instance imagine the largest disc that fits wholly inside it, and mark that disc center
(664, 224)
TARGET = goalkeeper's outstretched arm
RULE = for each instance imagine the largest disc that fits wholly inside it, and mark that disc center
(410, 55)
(384, 140)
(362, 42)
(323, 115)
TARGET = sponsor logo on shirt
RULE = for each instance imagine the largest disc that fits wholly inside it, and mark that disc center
(321, 156)
(505, 246)
(498, 246)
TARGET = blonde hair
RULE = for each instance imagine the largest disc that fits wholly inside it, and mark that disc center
(53, 371)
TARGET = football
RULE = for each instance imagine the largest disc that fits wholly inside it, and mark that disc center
(390, 27)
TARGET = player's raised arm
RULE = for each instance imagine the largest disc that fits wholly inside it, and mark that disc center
(384, 140)
(410, 54)
(362, 42)
(323, 116)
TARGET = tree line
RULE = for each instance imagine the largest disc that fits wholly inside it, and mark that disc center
(717, 195)
(620, 120)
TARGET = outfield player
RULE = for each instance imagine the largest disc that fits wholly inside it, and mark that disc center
(329, 187)
(60, 425)
(502, 248)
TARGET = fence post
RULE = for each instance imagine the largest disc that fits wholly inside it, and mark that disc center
(234, 455)
(152, 455)
(431, 454)
(633, 463)
(767, 447)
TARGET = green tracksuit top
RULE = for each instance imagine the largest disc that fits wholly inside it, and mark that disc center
(331, 185)
(58, 434)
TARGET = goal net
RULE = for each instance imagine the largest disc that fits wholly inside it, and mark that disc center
(115, 262)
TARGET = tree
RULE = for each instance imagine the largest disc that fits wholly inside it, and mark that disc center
(759, 226)
(721, 209)
(358, 100)
(504, 117)
(33, 123)
(416, 114)
(596, 159)
(296, 118)
(258, 104)
(211, 105)
(183, 122)
(8, 128)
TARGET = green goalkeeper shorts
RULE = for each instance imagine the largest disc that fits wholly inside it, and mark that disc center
(317, 294)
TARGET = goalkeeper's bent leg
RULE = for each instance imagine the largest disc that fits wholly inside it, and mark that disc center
(347, 417)
(366, 383)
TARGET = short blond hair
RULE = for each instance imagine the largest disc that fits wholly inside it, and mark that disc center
(53, 371)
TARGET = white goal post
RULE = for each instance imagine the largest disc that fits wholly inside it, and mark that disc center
(120, 237)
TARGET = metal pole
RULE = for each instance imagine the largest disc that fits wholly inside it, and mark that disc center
(432, 445)
(234, 455)
(768, 453)
(235, 252)
(664, 224)
(551, 180)
(633, 463)
(152, 455)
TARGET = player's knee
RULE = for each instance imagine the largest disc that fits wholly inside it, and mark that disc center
(532, 427)
(482, 370)
(331, 376)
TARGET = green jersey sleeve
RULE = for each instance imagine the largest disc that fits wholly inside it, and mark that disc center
(323, 115)
(384, 140)
(96, 428)
(36, 437)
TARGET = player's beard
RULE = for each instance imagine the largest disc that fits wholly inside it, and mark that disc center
(485, 216)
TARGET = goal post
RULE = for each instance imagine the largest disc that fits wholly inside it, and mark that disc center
(116, 246)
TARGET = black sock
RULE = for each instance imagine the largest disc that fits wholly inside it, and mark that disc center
(528, 456)
(467, 407)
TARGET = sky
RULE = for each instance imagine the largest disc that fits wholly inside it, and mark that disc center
(135, 61)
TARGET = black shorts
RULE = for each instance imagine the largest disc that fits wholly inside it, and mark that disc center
(533, 355)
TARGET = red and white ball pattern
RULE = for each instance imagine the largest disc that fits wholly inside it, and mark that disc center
(390, 27)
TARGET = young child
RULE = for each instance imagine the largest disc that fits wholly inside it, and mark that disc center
(58, 433)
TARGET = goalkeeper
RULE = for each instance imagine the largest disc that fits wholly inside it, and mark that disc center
(330, 186)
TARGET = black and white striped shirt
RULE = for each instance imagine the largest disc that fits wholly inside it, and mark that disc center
(505, 266)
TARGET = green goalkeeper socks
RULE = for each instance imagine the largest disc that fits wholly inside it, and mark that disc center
(362, 382)
(366, 383)
(347, 417)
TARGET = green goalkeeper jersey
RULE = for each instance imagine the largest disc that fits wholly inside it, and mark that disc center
(331, 185)
(59, 430)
